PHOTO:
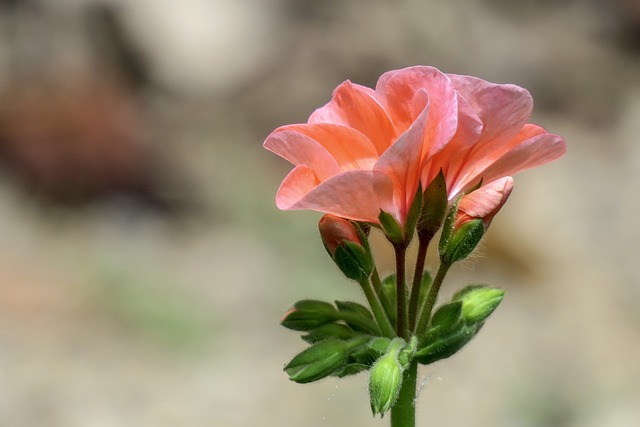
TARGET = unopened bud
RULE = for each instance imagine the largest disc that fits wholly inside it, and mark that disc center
(318, 361)
(307, 315)
(473, 215)
(386, 378)
(342, 241)
(478, 302)
(336, 231)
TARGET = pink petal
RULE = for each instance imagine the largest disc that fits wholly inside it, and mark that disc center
(299, 149)
(486, 201)
(503, 109)
(356, 106)
(401, 93)
(401, 162)
(454, 154)
(356, 195)
(297, 184)
(350, 149)
(533, 152)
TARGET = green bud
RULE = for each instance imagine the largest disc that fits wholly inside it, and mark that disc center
(447, 317)
(386, 379)
(445, 346)
(478, 302)
(344, 243)
(350, 369)
(320, 360)
(357, 317)
(462, 241)
(307, 315)
(355, 308)
(391, 228)
(330, 330)
(369, 353)
(447, 228)
(434, 206)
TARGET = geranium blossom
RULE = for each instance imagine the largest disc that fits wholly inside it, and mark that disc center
(368, 150)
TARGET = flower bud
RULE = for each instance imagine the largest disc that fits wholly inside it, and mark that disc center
(344, 244)
(307, 315)
(335, 231)
(478, 302)
(474, 213)
(484, 203)
(318, 361)
(386, 378)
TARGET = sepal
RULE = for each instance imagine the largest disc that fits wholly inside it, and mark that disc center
(434, 206)
(463, 241)
(391, 227)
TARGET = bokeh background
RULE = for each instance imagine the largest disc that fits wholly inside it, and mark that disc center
(144, 266)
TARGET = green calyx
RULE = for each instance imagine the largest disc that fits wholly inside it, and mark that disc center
(434, 206)
(462, 241)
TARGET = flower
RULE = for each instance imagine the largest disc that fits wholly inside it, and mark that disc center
(369, 149)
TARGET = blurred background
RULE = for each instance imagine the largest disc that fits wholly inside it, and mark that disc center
(144, 267)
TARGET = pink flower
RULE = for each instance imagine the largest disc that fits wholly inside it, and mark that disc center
(368, 150)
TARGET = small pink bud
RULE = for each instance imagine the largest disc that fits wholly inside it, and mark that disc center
(336, 231)
(484, 203)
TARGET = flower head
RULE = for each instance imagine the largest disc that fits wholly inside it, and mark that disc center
(370, 149)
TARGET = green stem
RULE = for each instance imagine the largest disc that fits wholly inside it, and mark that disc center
(432, 296)
(423, 246)
(376, 308)
(401, 291)
(403, 413)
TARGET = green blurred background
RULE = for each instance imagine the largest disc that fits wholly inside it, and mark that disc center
(144, 266)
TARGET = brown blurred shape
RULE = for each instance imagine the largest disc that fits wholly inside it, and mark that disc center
(76, 141)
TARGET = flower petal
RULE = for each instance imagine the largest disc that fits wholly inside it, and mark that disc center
(503, 109)
(400, 91)
(533, 152)
(452, 157)
(401, 162)
(350, 149)
(356, 195)
(356, 106)
(299, 149)
(486, 201)
(297, 184)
